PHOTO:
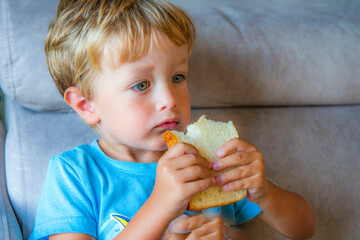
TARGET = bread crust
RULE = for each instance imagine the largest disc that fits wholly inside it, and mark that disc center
(193, 207)
(170, 138)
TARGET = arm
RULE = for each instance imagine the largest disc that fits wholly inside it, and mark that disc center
(286, 212)
(181, 173)
(196, 227)
(70, 236)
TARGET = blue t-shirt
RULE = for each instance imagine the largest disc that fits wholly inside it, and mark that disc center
(85, 191)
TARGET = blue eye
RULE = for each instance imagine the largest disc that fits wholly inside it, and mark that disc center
(177, 78)
(142, 86)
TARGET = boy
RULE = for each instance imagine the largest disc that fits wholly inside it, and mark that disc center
(122, 66)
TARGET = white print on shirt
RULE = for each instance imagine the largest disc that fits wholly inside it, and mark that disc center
(121, 219)
(113, 226)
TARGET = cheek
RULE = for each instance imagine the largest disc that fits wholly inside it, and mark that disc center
(186, 104)
(135, 115)
(185, 107)
(122, 113)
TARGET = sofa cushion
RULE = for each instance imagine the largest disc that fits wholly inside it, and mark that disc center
(313, 151)
(253, 53)
(275, 53)
(23, 73)
(9, 228)
(32, 138)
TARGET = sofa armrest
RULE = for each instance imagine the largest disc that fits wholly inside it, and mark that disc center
(9, 228)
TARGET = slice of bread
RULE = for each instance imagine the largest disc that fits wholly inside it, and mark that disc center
(207, 136)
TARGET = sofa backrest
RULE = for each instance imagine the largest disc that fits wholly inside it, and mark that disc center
(23, 72)
(247, 53)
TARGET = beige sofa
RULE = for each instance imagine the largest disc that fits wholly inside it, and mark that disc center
(285, 72)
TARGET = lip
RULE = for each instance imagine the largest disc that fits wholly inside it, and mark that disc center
(169, 124)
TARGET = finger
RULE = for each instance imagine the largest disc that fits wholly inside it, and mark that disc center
(198, 186)
(235, 174)
(237, 159)
(195, 222)
(191, 160)
(185, 224)
(176, 236)
(240, 184)
(235, 144)
(213, 229)
(180, 149)
(179, 225)
(194, 173)
(213, 236)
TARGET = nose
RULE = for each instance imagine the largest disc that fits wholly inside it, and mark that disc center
(166, 98)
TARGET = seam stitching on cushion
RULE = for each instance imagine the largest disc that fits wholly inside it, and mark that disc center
(10, 59)
(23, 178)
(23, 221)
(4, 225)
(3, 222)
(230, 22)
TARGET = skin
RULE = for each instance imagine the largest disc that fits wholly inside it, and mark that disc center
(140, 96)
(289, 213)
(200, 227)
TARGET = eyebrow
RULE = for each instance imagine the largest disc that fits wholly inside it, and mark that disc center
(144, 69)
(183, 61)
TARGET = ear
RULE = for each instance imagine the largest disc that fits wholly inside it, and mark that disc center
(81, 105)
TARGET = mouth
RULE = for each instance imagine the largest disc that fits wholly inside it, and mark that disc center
(169, 124)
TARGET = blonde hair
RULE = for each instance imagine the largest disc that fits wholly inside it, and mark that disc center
(83, 31)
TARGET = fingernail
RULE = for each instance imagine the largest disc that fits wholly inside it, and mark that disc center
(213, 180)
(220, 153)
(227, 188)
(216, 166)
(219, 180)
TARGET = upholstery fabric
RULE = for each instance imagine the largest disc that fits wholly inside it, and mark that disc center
(313, 48)
(313, 151)
(246, 47)
(9, 228)
(309, 150)
(29, 145)
(285, 72)
(23, 73)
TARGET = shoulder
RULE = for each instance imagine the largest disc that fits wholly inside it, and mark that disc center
(68, 198)
(69, 174)
(77, 156)
(76, 161)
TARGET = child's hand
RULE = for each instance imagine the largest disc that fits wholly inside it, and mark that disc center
(181, 173)
(199, 227)
(248, 169)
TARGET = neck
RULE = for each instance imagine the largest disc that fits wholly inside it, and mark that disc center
(128, 154)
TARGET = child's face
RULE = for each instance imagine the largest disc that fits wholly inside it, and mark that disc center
(138, 101)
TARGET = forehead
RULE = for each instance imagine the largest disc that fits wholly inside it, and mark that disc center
(159, 44)
(167, 58)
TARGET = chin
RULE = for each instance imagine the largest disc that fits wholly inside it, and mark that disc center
(156, 144)
(161, 148)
